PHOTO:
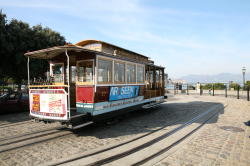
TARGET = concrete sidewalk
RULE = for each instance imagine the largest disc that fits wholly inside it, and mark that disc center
(225, 141)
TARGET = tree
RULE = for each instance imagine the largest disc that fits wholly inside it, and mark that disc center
(17, 38)
(247, 84)
(234, 85)
(3, 43)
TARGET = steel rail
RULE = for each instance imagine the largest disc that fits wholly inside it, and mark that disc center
(36, 142)
(175, 143)
(54, 130)
(13, 124)
(118, 145)
(149, 143)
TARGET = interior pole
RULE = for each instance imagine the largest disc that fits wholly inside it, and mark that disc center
(66, 53)
(28, 69)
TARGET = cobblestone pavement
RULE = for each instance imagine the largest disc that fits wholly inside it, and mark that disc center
(223, 142)
(95, 136)
(200, 150)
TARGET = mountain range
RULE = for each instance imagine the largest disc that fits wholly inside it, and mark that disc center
(222, 77)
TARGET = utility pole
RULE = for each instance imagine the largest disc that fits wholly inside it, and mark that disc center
(243, 73)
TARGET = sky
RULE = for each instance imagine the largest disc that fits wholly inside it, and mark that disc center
(185, 36)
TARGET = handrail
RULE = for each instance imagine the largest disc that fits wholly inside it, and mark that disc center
(36, 86)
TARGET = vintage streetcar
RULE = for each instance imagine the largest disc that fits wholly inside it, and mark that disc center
(91, 81)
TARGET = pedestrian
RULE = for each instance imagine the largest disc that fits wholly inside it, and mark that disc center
(209, 91)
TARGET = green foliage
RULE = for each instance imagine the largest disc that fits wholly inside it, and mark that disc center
(207, 86)
(234, 85)
(17, 38)
(217, 86)
(247, 84)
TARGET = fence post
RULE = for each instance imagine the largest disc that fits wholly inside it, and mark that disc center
(247, 93)
(187, 89)
(238, 92)
(226, 92)
(200, 90)
(213, 89)
(174, 88)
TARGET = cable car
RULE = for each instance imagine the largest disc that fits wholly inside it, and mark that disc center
(92, 80)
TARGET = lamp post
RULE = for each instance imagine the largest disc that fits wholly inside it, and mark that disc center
(243, 73)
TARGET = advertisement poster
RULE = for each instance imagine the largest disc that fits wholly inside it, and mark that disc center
(36, 103)
(48, 103)
(123, 92)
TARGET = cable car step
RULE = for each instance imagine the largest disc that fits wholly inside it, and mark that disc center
(78, 115)
(72, 108)
(81, 125)
(151, 105)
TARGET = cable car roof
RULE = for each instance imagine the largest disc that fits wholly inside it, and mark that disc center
(50, 53)
(53, 51)
(86, 42)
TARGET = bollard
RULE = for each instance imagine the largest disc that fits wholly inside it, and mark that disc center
(226, 92)
(187, 89)
(200, 90)
(247, 93)
(213, 89)
(238, 92)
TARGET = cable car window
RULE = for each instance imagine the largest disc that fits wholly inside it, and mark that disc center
(85, 71)
(57, 72)
(157, 78)
(104, 71)
(73, 74)
(140, 74)
(160, 78)
(119, 72)
(130, 73)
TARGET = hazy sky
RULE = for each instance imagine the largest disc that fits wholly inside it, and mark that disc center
(185, 36)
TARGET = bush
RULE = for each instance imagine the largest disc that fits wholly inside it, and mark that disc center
(234, 86)
(247, 84)
(217, 86)
(207, 86)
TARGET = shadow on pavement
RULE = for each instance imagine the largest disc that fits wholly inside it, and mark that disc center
(141, 121)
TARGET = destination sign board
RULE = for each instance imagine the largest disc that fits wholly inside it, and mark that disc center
(123, 92)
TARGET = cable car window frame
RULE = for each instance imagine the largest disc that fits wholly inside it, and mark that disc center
(124, 72)
(115, 59)
(127, 72)
(77, 73)
(143, 74)
(112, 68)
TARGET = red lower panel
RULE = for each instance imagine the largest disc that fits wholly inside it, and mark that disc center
(102, 94)
(85, 94)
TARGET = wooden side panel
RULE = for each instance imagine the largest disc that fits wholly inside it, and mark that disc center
(85, 94)
(153, 93)
(123, 53)
(102, 94)
(142, 90)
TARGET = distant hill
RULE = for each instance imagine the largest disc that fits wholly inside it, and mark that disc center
(223, 77)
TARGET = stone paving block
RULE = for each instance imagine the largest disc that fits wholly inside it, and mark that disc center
(221, 147)
(212, 145)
